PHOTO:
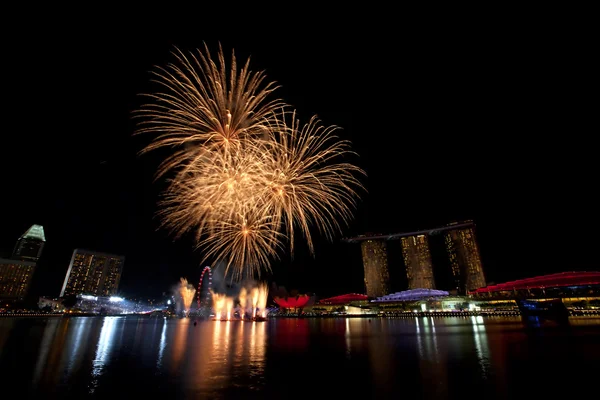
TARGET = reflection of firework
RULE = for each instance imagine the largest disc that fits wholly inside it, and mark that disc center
(246, 172)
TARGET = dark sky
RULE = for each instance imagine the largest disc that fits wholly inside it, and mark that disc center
(494, 121)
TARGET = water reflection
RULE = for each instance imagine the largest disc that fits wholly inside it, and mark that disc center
(447, 358)
(348, 339)
(292, 334)
(432, 363)
(50, 353)
(105, 343)
(481, 345)
(258, 346)
(104, 347)
(76, 342)
(45, 346)
(227, 354)
(6, 326)
(376, 337)
(162, 344)
(180, 341)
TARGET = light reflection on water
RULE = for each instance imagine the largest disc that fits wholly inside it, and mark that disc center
(481, 344)
(105, 343)
(103, 349)
(437, 357)
(162, 344)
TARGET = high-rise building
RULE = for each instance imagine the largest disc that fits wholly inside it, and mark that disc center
(16, 273)
(465, 259)
(417, 259)
(375, 262)
(93, 273)
(15, 278)
(30, 245)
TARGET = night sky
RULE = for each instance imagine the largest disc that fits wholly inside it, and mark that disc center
(492, 122)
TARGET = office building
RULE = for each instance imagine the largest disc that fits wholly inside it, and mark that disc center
(417, 259)
(375, 262)
(15, 278)
(465, 259)
(16, 273)
(30, 245)
(93, 273)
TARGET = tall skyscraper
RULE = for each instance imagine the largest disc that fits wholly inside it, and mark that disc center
(93, 273)
(30, 245)
(465, 259)
(375, 262)
(16, 273)
(15, 278)
(417, 259)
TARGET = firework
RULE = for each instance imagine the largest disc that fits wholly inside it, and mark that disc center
(306, 181)
(205, 106)
(186, 291)
(246, 172)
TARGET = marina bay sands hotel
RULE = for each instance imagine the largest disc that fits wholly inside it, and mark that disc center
(461, 246)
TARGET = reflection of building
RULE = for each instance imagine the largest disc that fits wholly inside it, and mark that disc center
(30, 245)
(15, 277)
(417, 259)
(375, 262)
(93, 273)
(463, 252)
(16, 273)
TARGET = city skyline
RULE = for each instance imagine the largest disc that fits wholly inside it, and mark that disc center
(451, 133)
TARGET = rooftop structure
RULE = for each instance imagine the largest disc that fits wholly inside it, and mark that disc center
(393, 236)
(562, 279)
(292, 302)
(412, 295)
(30, 245)
(344, 299)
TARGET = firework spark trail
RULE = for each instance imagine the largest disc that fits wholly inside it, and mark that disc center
(205, 106)
(247, 173)
(186, 291)
(308, 185)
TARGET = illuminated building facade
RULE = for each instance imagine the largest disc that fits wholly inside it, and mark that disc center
(16, 273)
(375, 262)
(93, 273)
(417, 259)
(465, 259)
(15, 278)
(30, 245)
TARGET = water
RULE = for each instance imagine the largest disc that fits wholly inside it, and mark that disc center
(434, 358)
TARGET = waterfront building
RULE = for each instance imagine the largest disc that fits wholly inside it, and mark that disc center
(30, 245)
(93, 273)
(16, 273)
(15, 279)
(463, 252)
(375, 262)
(462, 249)
(572, 284)
(55, 305)
(417, 259)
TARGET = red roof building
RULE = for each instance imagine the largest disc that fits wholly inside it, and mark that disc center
(344, 299)
(562, 279)
(292, 302)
